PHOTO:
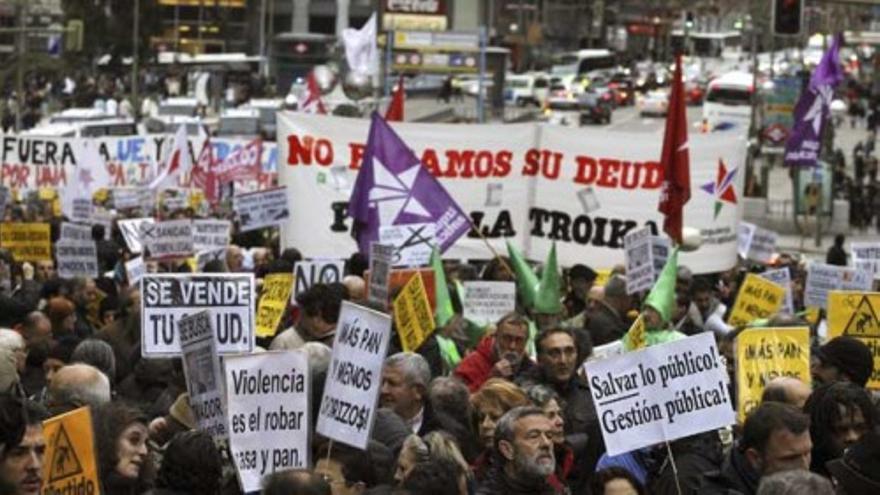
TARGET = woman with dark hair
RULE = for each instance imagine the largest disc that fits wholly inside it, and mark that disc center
(615, 481)
(191, 465)
(840, 414)
(124, 463)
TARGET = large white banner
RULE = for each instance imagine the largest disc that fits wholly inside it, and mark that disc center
(525, 183)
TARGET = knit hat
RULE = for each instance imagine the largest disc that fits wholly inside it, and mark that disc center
(851, 356)
(181, 411)
(662, 295)
(526, 280)
(547, 299)
(858, 471)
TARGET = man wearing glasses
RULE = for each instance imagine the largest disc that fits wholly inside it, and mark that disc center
(501, 355)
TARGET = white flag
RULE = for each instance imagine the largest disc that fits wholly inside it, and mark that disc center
(90, 175)
(360, 47)
(177, 162)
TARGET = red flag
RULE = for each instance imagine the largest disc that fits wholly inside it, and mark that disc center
(675, 160)
(311, 102)
(394, 113)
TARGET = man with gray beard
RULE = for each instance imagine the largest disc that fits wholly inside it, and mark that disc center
(523, 455)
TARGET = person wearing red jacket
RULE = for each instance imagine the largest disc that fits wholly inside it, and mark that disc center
(502, 354)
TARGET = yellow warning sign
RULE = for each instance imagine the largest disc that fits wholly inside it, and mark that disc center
(70, 454)
(856, 314)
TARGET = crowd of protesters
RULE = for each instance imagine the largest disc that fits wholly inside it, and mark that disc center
(499, 410)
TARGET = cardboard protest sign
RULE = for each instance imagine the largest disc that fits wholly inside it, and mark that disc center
(782, 278)
(412, 243)
(867, 256)
(27, 241)
(756, 243)
(76, 258)
(268, 400)
(606, 351)
(167, 297)
(209, 234)
(204, 257)
(380, 269)
(354, 378)
(134, 270)
(413, 317)
(660, 393)
(75, 232)
(822, 279)
(308, 273)
(639, 265)
(763, 354)
(855, 314)
(201, 367)
(168, 239)
(261, 209)
(401, 277)
(758, 298)
(129, 198)
(273, 301)
(131, 232)
(488, 302)
(70, 464)
(636, 337)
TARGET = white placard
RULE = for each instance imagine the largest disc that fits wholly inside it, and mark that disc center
(661, 393)
(782, 278)
(487, 302)
(351, 394)
(822, 279)
(135, 270)
(168, 239)
(76, 258)
(866, 255)
(166, 297)
(380, 271)
(201, 367)
(756, 243)
(606, 351)
(209, 234)
(308, 273)
(412, 243)
(261, 209)
(76, 232)
(268, 400)
(638, 251)
(131, 232)
(125, 198)
(660, 248)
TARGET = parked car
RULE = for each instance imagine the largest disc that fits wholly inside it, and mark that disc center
(524, 89)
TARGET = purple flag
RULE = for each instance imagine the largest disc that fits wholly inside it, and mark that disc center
(393, 188)
(813, 109)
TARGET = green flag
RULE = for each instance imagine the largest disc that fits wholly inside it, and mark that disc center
(444, 312)
(526, 280)
(547, 300)
(662, 295)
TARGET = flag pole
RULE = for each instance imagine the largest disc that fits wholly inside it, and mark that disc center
(491, 248)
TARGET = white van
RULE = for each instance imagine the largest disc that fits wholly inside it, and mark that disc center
(729, 100)
(523, 89)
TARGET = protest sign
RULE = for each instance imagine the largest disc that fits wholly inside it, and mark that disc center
(201, 367)
(756, 243)
(763, 354)
(268, 400)
(855, 314)
(867, 256)
(636, 337)
(639, 265)
(308, 273)
(412, 243)
(168, 239)
(134, 270)
(782, 278)
(129, 198)
(167, 297)
(413, 317)
(27, 241)
(273, 301)
(660, 393)
(78, 209)
(544, 172)
(401, 277)
(606, 351)
(488, 302)
(75, 232)
(131, 232)
(660, 248)
(758, 298)
(210, 234)
(204, 257)
(380, 269)
(76, 258)
(261, 209)
(354, 378)
(822, 279)
(70, 464)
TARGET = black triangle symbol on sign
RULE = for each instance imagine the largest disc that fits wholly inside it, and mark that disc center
(65, 462)
(864, 322)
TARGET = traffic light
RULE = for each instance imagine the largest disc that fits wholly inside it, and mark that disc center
(689, 20)
(787, 17)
